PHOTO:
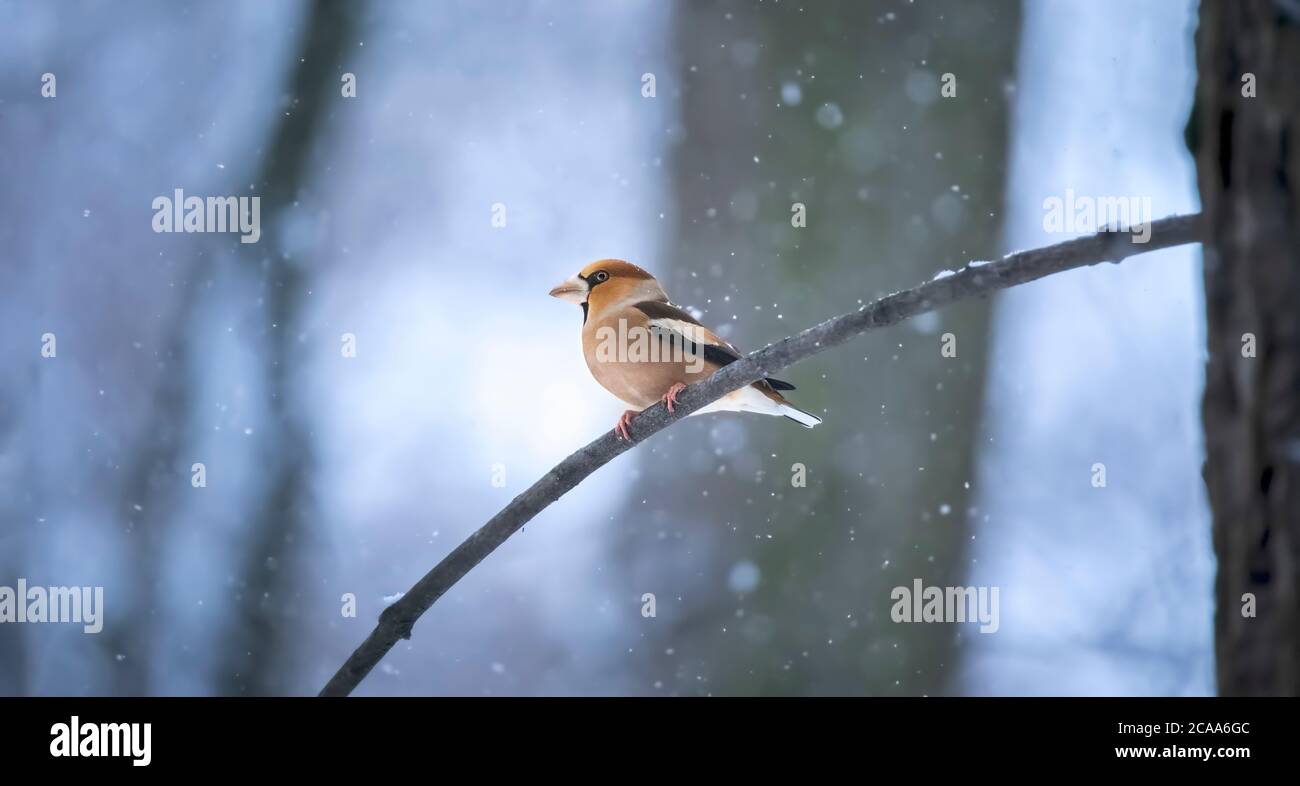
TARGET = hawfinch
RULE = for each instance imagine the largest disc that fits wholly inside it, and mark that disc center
(644, 349)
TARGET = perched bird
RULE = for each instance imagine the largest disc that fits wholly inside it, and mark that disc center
(643, 349)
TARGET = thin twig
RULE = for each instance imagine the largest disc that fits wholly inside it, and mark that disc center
(974, 280)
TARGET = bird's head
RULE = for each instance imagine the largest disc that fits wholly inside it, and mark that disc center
(608, 282)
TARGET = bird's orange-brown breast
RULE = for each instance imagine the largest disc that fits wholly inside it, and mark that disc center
(633, 362)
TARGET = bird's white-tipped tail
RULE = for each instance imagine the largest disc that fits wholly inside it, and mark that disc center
(751, 399)
(799, 416)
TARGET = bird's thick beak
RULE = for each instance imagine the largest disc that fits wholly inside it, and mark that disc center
(573, 290)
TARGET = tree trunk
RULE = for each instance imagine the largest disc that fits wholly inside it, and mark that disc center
(259, 658)
(765, 585)
(1248, 160)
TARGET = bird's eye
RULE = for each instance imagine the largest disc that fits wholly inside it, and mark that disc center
(601, 276)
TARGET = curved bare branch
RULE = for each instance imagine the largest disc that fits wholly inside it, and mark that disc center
(974, 280)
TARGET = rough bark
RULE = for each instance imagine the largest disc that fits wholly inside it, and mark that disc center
(1248, 161)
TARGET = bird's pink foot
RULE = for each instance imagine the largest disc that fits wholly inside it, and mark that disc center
(670, 398)
(620, 428)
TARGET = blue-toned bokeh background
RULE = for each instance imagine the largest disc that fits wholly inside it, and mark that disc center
(329, 475)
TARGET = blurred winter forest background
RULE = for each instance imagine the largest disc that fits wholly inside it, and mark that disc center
(329, 475)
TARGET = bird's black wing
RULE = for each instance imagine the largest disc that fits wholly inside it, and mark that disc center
(673, 322)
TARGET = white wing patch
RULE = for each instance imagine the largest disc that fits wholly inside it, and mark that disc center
(692, 332)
